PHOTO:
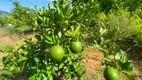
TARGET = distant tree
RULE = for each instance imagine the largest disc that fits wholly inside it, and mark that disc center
(23, 14)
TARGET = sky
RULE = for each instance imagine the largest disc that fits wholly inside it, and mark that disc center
(6, 5)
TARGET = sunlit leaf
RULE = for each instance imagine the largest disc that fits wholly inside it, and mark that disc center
(22, 59)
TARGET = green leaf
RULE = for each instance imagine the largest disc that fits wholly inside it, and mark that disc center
(127, 66)
(60, 34)
(40, 18)
(55, 68)
(44, 77)
(104, 42)
(4, 72)
(68, 75)
(101, 48)
(49, 73)
(49, 42)
(59, 9)
(106, 59)
(48, 68)
(61, 66)
(25, 52)
(65, 61)
(114, 51)
(54, 38)
(33, 77)
(124, 57)
(22, 59)
(80, 78)
(13, 68)
(121, 56)
(68, 10)
(49, 38)
(36, 60)
(39, 76)
(51, 78)
(102, 31)
(118, 56)
(70, 62)
(77, 29)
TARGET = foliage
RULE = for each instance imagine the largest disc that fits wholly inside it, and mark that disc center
(22, 14)
(4, 20)
(6, 48)
(19, 20)
(109, 48)
(137, 35)
(126, 22)
(33, 57)
(130, 5)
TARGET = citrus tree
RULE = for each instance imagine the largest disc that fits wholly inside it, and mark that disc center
(55, 52)
(22, 15)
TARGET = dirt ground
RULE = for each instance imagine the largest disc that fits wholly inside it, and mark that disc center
(91, 63)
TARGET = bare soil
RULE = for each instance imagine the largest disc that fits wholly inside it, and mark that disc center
(92, 62)
(6, 40)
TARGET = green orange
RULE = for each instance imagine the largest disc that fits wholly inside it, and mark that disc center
(76, 46)
(57, 52)
(111, 74)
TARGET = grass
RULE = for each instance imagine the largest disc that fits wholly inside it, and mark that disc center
(6, 30)
(6, 48)
(3, 32)
(10, 32)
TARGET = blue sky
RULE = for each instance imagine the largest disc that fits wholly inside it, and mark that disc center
(6, 5)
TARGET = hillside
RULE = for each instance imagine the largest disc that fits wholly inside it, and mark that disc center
(3, 12)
